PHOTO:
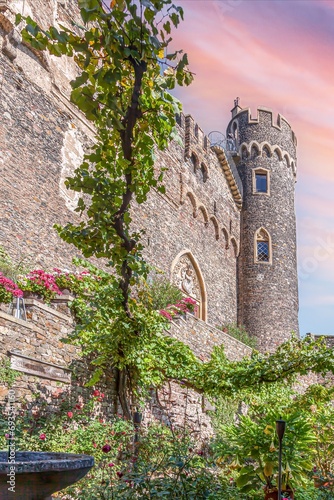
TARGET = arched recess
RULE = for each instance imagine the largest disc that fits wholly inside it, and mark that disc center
(287, 159)
(293, 166)
(194, 161)
(266, 151)
(226, 237)
(255, 151)
(192, 198)
(278, 152)
(235, 247)
(216, 226)
(244, 152)
(204, 212)
(187, 276)
(204, 172)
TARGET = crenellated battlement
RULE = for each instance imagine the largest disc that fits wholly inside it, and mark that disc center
(194, 137)
(198, 148)
(265, 118)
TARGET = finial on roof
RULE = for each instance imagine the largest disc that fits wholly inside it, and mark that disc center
(236, 108)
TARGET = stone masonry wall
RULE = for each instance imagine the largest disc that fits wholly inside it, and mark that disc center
(42, 140)
(202, 338)
(40, 339)
(268, 291)
(197, 217)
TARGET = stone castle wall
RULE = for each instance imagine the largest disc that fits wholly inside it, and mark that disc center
(192, 232)
(48, 370)
(42, 140)
(36, 344)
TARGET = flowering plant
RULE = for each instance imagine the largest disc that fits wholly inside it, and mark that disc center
(183, 306)
(40, 282)
(75, 282)
(8, 290)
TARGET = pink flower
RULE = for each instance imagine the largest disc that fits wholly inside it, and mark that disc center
(166, 314)
(111, 464)
(69, 414)
(7, 436)
(106, 448)
(42, 436)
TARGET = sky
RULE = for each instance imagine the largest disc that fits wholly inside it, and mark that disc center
(278, 54)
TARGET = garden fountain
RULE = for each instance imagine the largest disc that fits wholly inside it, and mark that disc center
(36, 475)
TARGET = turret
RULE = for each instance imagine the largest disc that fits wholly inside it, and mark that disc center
(267, 265)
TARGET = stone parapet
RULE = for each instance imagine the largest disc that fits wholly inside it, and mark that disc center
(202, 338)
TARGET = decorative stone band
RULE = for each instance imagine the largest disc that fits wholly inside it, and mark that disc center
(34, 461)
(32, 366)
(231, 175)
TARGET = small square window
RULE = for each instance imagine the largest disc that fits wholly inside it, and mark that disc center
(261, 184)
(263, 251)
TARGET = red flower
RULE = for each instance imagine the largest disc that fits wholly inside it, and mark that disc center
(95, 445)
(106, 448)
(119, 474)
(96, 393)
(111, 464)
(42, 437)
(69, 414)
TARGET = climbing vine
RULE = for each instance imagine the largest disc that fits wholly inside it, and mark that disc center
(125, 72)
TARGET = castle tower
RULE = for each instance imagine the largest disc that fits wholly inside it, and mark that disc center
(267, 266)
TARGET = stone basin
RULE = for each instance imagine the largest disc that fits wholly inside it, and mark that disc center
(39, 474)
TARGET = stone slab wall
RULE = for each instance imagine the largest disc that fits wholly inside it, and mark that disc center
(40, 338)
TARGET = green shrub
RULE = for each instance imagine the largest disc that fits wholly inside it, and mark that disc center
(239, 333)
(158, 292)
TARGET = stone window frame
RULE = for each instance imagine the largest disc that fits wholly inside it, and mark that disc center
(261, 171)
(259, 238)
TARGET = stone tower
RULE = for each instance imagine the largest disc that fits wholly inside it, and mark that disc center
(267, 268)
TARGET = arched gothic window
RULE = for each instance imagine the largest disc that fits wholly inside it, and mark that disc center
(262, 246)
